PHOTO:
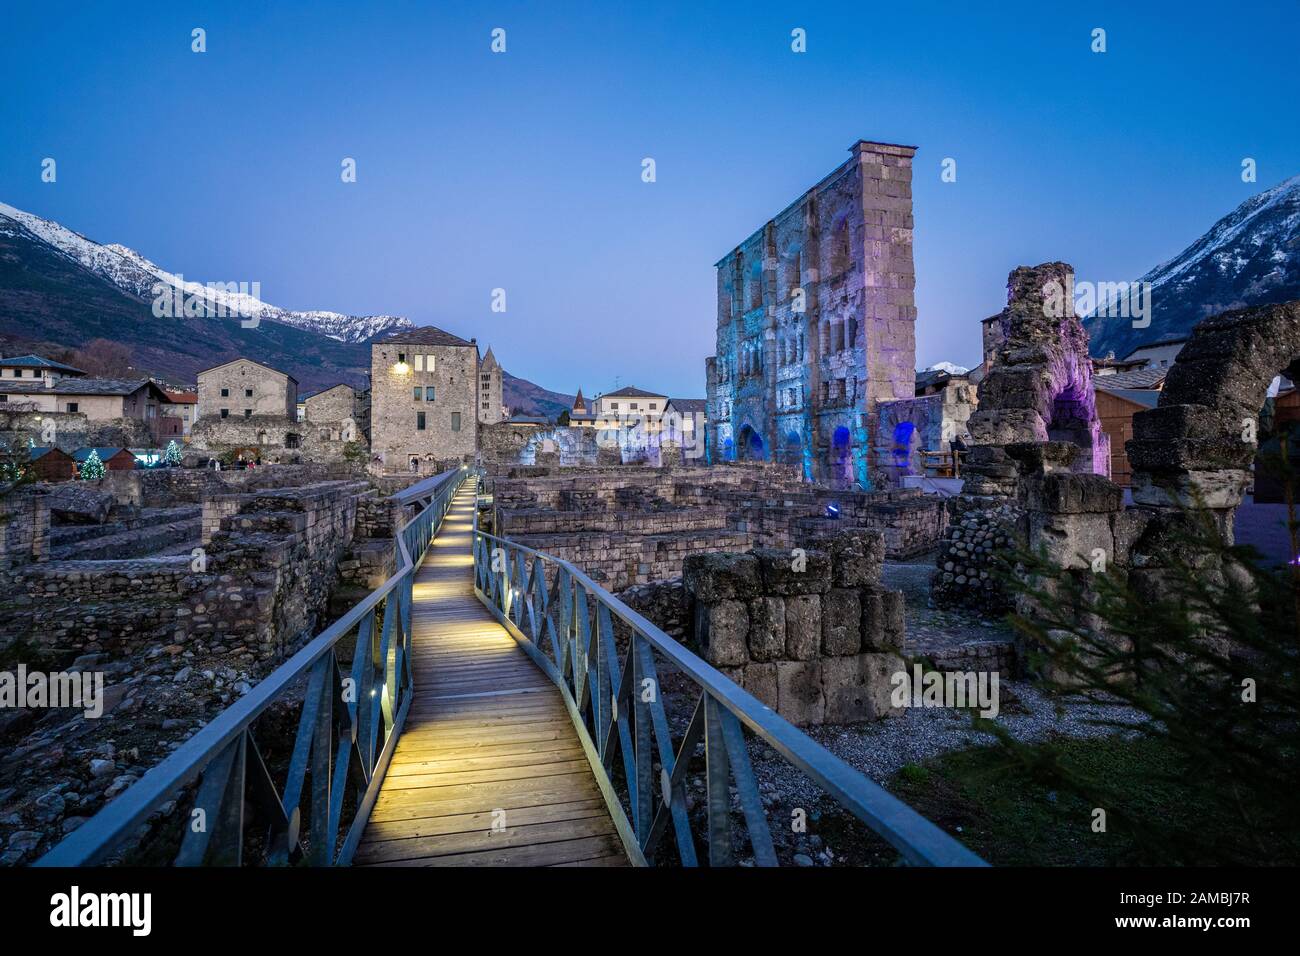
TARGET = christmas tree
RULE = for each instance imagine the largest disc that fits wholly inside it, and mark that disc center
(172, 456)
(92, 469)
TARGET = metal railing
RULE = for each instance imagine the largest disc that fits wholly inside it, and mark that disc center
(346, 733)
(566, 623)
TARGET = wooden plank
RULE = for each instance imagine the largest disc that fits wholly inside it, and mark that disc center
(520, 837)
(487, 732)
(482, 820)
(450, 778)
(540, 854)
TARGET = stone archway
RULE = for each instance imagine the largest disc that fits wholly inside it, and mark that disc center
(750, 446)
(1197, 446)
(1039, 385)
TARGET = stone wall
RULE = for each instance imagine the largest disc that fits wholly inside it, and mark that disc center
(69, 431)
(982, 532)
(266, 392)
(814, 635)
(913, 425)
(24, 528)
(273, 438)
(450, 420)
(796, 374)
(595, 516)
(263, 583)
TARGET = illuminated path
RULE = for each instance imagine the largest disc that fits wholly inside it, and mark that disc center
(489, 770)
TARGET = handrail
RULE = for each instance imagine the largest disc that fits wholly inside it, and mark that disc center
(609, 706)
(337, 744)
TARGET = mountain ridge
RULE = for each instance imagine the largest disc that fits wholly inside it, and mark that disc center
(59, 287)
(1251, 256)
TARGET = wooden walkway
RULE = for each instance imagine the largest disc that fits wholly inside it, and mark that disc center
(489, 770)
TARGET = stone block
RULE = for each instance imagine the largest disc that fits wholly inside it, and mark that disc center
(858, 688)
(803, 626)
(1070, 540)
(883, 620)
(799, 694)
(856, 557)
(721, 576)
(841, 622)
(778, 567)
(760, 680)
(766, 629)
(722, 629)
(1065, 493)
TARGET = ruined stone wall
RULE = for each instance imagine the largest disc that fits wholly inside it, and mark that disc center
(817, 642)
(815, 322)
(913, 425)
(276, 438)
(263, 583)
(633, 525)
(69, 431)
(982, 532)
(24, 528)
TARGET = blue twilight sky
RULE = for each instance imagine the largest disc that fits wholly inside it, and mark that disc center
(523, 170)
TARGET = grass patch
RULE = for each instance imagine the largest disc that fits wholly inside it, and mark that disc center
(1155, 814)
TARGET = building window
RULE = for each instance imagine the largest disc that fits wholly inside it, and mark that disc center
(73, 406)
(18, 373)
(401, 356)
(419, 362)
(614, 405)
(248, 393)
(653, 406)
(633, 406)
(225, 413)
(419, 393)
(428, 394)
(455, 421)
(419, 421)
(225, 393)
(248, 413)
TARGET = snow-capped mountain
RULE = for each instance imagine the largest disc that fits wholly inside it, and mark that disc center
(1249, 257)
(950, 367)
(138, 277)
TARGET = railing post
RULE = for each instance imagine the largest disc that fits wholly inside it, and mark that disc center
(717, 780)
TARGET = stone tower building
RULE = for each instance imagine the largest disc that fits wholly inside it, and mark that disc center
(489, 390)
(815, 323)
(423, 400)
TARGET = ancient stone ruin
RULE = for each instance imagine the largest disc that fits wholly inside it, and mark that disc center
(1038, 390)
(811, 634)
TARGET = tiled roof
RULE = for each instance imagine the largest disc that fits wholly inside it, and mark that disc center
(79, 386)
(1147, 397)
(38, 451)
(182, 398)
(1138, 378)
(36, 361)
(242, 358)
(425, 335)
(630, 392)
(81, 454)
(690, 404)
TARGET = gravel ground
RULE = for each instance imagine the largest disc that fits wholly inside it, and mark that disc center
(930, 627)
